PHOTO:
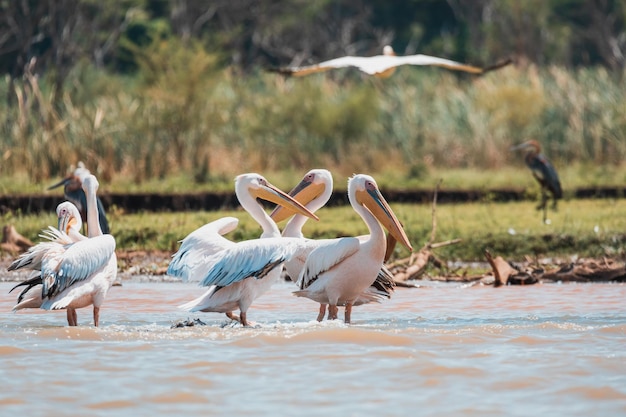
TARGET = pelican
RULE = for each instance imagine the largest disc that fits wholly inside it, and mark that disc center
(339, 270)
(384, 65)
(336, 271)
(314, 191)
(67, 232)
(79, 273)
(205, 246)
(72, 188)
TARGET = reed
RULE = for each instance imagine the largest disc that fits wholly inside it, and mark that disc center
(185, 117)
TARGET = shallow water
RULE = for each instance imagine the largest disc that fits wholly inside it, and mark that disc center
(443, 349)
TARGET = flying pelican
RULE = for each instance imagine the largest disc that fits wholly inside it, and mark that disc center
(314, 191)
(67, 232)
(338, 271)
(79, 274)
(73, 191)
(544, 173)
(384, 65)
(203, 247)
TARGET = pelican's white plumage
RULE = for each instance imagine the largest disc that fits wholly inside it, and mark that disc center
(338, 271)
(204, 248)
(84, 273)
(384, 65)
(69, 224)
(79, 272)
(314, 191)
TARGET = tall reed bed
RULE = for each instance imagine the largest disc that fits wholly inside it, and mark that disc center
(185, 117)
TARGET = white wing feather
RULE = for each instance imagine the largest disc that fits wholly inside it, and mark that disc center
(200, 244)
(326, 255)
(78, 261)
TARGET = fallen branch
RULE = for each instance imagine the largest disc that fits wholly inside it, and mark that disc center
(414, 266)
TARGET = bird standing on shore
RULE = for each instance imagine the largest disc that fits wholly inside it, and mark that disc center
(544, 173)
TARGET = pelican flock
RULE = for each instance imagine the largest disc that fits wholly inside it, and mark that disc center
(206, 246)
(384, 65)
(71, 271)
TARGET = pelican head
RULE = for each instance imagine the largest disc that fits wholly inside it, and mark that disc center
(530, 145)
(69, 217)
(367, 194)
(258, 187)
(90, 183)
(316, 184)
(388, 50)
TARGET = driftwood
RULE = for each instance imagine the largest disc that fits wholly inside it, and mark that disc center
(12, 241)
(414, 266)
(584, 270)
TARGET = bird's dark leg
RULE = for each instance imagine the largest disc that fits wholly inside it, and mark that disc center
(544, 204)
(332, 312)
(347, 313)
(322, 312)
(231, 316)
(244, 321)
(72, 318)
(554, 202)
(96, 316)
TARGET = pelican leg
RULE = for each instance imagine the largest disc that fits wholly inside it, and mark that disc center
(244, 322)
(232, 316)
(347, 313)
(322, 313)
(71, 317)
(332, 312)
(96, 315)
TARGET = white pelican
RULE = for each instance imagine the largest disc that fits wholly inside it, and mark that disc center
(80, 273)
(73, 191)
(384, 65)
(67, 232)
(203, 247)
(314, 191)
(338, 271)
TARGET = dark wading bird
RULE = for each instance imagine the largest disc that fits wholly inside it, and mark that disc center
(384, 65)
(73, 191)
(544, 173)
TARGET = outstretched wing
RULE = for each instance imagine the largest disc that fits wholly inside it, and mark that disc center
(250, 258)
(200, 244)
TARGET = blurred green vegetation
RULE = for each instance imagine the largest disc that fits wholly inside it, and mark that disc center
(580, 228)
(187, 124)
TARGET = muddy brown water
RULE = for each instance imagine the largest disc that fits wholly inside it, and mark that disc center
(442, 349)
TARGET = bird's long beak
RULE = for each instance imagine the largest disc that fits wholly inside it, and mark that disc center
(65, 223)
(60, 183)
(520, 146)
(304, 192)
(373, 200)
(277, 196)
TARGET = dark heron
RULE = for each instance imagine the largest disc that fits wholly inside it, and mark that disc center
(73, 190)
(544, 173)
